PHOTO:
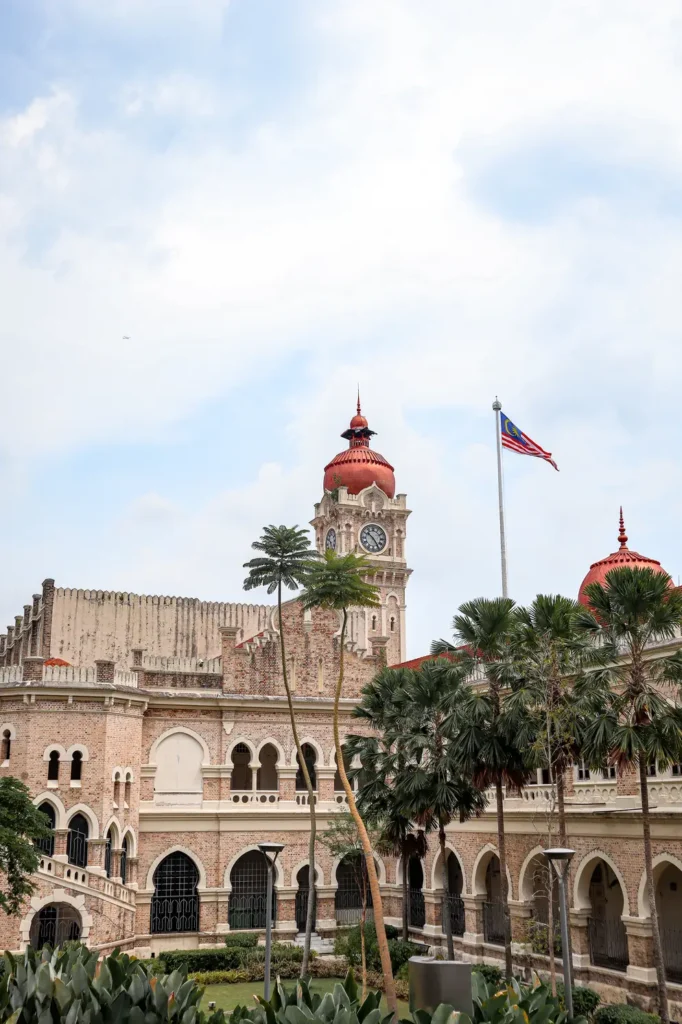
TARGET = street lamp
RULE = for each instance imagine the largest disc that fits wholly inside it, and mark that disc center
(266, 849)
(560, 859)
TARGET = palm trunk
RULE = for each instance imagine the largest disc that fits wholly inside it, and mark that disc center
(363, 943)
(502, 846)
(310, 913)
(406, 931)
(389, 984)
(550, 929)
(663, 1011)
(447, 917)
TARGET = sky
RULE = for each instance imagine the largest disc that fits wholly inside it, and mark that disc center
(218, 217)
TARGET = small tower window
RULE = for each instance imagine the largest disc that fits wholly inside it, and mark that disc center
(126, 793)
(374, 622)
(53, 767)
(76, 766)
(392, 623)
(6, 746)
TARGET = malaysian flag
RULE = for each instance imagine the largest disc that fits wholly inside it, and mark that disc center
(517, 441)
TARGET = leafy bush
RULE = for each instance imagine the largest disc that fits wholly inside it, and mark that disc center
(585, 1000)
(349, 946)
(400, 952)
(341, 1006)
(221, 977)
(228, 959)
(248, 940)
(493, 975)
(71, 985)
(622, 1013)
(537, 936)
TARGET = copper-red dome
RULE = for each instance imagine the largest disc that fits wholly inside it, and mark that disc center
(623, 557)
(359, 466)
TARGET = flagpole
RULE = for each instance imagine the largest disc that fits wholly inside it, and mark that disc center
(497, 408)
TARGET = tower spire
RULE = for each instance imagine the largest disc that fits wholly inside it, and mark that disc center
(622, 535)
(359, 409)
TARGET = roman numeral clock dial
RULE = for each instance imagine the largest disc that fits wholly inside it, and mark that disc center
(373, 538)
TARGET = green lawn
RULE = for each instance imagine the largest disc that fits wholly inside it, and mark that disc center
(226, 997)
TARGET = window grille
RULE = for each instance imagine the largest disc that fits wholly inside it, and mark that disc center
(351, 877)
(240, 777)
(302, 897)
(248, 899)
(54, 924)
(76, 766)
(107, 855)
(53, 767)
(77, 841)
(175, 903)
(124, 859)
(46, 846)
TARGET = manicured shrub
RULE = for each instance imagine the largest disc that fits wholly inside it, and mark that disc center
(622, 1013)
(220, 977)
(349, 946)
(493, 975)
(247, 940)
(400, 952)
(228, 959)
(585, 1000)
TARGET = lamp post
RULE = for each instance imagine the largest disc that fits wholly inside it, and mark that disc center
(266, 849)
(560, 859)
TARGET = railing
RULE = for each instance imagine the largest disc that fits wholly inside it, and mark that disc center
(348, 906)
(456, 906)
(72, 873)
(303, 800)
(174, 914)
(302, 897)
(11, 674)
(340, 797)
(493, 923)
(671, 940)
(254, 796)
(248, 910)
(416, 908)
(123, 678)
(537, 794)
(608, 944)
(193, 665)
(68, 674)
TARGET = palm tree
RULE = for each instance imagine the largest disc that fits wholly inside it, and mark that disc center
(487, 746)
(428, 779)
(286, 556)
(338, 582)
(642, 725)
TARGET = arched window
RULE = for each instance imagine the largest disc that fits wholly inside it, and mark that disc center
(46, 846)
(454, 899)
(124, 859)
(240, 778)
(608, 938)
(6, 746)
(107, 854)
(175, 903)
(374, 622)
(126, 791)
(302, 897)
(53, 767)
(54, 924)
(415, 894)
(249, 880)
(392, 623)
(493, 909)
(352, 891)
(117, 790)
(338, 785)
(76, 766)
(267, 773)
(77, 841)
(309, 757)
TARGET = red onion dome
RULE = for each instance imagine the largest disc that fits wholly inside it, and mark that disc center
(617, 560)
(359, 466)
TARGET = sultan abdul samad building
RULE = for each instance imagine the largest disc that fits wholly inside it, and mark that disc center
(154, 733)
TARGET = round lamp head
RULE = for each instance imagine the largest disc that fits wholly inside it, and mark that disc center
(559, 857)
(273, 848)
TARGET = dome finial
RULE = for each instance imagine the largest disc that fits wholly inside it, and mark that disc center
(622, 535)
(359, 409)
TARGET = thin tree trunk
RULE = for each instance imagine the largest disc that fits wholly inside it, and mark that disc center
(310, 913)
(550, 930)
(566, 954)
(663, 1011)
(363, 944)
(502, 846)
(406, 933)
(389, 984)
(447, 918)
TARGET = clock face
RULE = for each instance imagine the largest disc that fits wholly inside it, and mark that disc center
(330, 541)
(373, 538)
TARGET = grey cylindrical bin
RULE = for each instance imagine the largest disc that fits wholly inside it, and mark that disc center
(439, 981)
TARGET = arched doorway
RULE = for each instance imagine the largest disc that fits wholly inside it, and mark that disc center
(77, 841)
(608, 938)
(352, 891)
(46, 846)
(124, 860)
(108, 847)
(415, 894)
(540, 886)
(54, 924)
(240, 779)
(266, 776)
(454, 898)
(668, 883)
(310, 758)
(493, 911)
(302, 897)
(175, 903)
(248, 899)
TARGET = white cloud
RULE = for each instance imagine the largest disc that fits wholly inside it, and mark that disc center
(344, 226)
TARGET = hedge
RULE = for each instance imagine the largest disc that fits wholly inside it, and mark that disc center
(622, 1013)
(202, 959)
(285, 969)
(246, 940)
(585, 1000)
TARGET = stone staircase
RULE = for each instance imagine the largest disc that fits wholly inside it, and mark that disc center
(320, 945)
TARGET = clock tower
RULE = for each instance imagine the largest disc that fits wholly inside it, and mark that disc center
(360, 512)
